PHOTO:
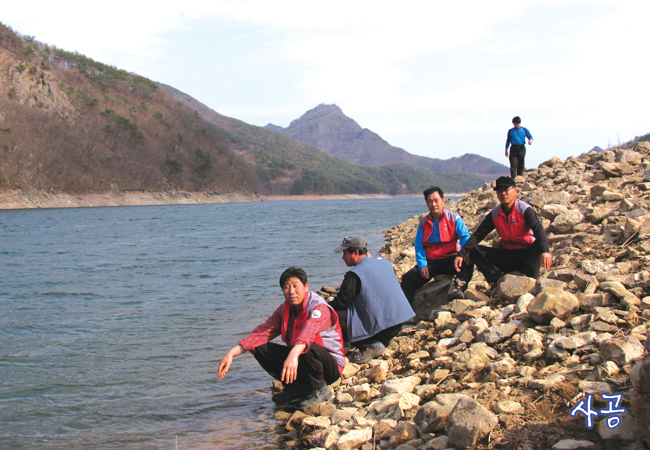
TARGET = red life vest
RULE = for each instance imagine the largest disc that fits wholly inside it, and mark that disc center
(330, 339)
(449, 244)
(512, 229)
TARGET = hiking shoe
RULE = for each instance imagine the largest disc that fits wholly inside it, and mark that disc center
(290, 395)
(314, 397)
(362, 356)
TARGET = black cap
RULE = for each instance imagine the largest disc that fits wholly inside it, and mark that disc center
(504, 182)
(351, 242)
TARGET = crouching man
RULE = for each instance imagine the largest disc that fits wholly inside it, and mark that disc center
(370, 304)
(313, 356)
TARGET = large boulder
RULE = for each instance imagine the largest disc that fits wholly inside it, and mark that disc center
(511, 287)
(432, 416)
(552, 303)
(621, 350)
(640, 396)
(468, 423)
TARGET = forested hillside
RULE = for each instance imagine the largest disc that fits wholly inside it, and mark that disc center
(70, 124)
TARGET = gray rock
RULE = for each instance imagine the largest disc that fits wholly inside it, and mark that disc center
(625, 431)
(597, 191)
(547, 383)
(593, 266)
(565, 222)
(433, 415)
(508, 407)
(572, 444)
(583, 279)
(468, 423)
(404, 432)
(529, 340)
(541, 284)
(551, 211)
(511, 287)
(400, 385)
(640, 376)
(576, 341)
(589, 302)
(594, 387)
(354, 439)
(552, 303)
(473, 358)
(621, 350)
(496, 334)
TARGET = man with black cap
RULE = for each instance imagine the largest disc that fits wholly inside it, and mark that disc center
(370, 304)
(523, 245)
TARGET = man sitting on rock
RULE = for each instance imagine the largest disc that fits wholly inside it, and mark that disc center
(523, 245)
(370, 304)
(440, 235)
(313, 357)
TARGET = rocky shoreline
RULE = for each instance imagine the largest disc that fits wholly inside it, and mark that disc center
(507, 372)
(16, 199)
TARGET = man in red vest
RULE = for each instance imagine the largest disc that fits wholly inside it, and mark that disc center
(313, 356)
(440, 235)
(523, 245)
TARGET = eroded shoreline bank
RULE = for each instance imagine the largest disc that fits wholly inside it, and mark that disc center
(16, 199)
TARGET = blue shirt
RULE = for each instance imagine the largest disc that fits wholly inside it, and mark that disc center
(421, 252)
(518, 136)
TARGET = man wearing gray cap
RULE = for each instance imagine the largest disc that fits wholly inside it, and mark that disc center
(370, 304)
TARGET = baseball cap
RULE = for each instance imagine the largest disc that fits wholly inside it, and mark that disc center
(504, 182)
(351, 242)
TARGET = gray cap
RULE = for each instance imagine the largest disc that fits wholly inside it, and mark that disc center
(352, 242)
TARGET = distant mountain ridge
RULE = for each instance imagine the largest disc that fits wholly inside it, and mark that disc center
(72, 125)
(329, 129)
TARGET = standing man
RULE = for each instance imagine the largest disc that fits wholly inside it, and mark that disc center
(370, 304)
(313, 356)
(523, 245)
(517, 137)
(440, 235)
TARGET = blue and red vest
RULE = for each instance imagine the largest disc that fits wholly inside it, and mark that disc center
(512, 229)
(331, 339)
(449, 244)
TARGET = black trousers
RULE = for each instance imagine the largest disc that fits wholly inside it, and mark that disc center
(384, 336)
(412, 280)
(316, 367)
(517, 155)
(493, 262)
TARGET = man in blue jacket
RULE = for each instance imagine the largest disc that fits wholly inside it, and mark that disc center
(517, 136)
(440, 235)
(370, 304)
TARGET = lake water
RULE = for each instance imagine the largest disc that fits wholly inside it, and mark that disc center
(113, 320)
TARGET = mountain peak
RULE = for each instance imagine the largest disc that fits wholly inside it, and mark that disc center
(329, 129)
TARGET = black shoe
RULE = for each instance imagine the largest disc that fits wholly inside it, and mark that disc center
(456, 290)
(493, 289)
(362, 356)
(314, 397)
(290, 395)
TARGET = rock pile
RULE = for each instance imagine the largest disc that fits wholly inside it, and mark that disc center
(506, 372)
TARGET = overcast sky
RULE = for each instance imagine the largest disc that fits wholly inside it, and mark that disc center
(438, 79)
